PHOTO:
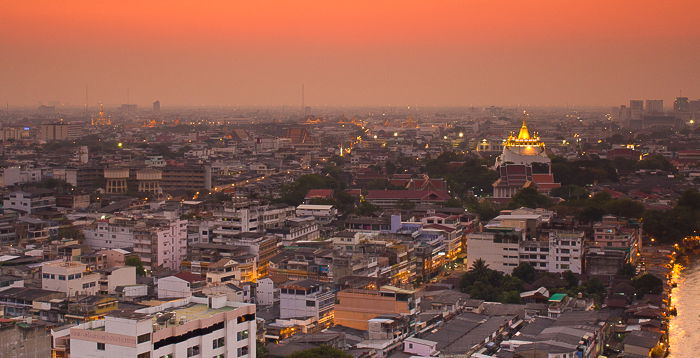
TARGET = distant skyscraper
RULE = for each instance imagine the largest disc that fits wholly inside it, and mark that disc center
(694, 106)
(681, 104)
(636, 105)
(654, 106)
(156, 106)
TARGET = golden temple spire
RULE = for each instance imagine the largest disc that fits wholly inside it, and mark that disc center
(524, 132)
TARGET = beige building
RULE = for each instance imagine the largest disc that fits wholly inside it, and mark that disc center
(356, 307)
(70, 277)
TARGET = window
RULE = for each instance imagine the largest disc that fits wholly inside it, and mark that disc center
(243, 351)
(246, 318)
(242, 335)
(310, 303)
(45, 275)
(218, 343)
(219, 356)
(100, 346)
(410, 345)
(144, 355)
(192, 351)
(143, 338)
(62, 277)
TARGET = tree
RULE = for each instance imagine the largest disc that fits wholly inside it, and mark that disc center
(525, 272)
(136, 262)
(261, 350)
(571, 279)
(625, 208)
(510, 297)
(648, 284)
(294, 193)
(570, 192)
(320, 352)
(690, 199)
(628, 270)
(530, 198)
(656, 161)
(366, 208)
(71, 232)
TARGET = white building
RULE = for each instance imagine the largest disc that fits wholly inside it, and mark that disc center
(17, 175)
(307, 298)
(159, 242)
(30, 200)
(114, 277)
(189, 327)
(248, 216)
(322, 213)
(180, 285)
(70, 277)
(566, 251)
(265, 292)
(497, 246)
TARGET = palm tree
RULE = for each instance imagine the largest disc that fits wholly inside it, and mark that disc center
(479, 266)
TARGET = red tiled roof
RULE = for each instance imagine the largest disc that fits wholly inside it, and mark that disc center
(408, 194)
(319, 193)
(189, 276)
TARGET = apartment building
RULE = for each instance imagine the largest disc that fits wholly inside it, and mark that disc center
(30, 200)
(498, 246)
(307, 298)
(159, 242)
(614, 233)
(189, 327)
(557, 252)
(248, 216)
(70, 277)
(356, 307)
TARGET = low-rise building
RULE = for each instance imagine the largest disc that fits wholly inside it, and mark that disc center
(189, 327)
(69, 277)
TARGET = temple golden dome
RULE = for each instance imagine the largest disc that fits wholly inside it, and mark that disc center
(524, 138)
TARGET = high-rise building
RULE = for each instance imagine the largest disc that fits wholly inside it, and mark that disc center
(681, 104)
(637, 105)
(60, 131)
(156, 106)
(694, 106)
(654, 106)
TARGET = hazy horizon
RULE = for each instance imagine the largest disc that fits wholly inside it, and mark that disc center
(547, 53)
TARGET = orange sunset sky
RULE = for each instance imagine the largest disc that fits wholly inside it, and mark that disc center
(424, 53)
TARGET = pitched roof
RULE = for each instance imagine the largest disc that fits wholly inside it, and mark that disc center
(189, 276)
(408, 194)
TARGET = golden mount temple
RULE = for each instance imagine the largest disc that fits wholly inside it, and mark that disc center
(523, 163)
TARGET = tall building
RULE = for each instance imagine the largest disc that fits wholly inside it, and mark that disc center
(523, 163)
(159, 242)
(694, 106)
(654, 106)
(188, 327)
(156, 106)
(60, 131)
(681, 104)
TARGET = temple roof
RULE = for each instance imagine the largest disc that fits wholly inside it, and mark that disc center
(524, 132)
